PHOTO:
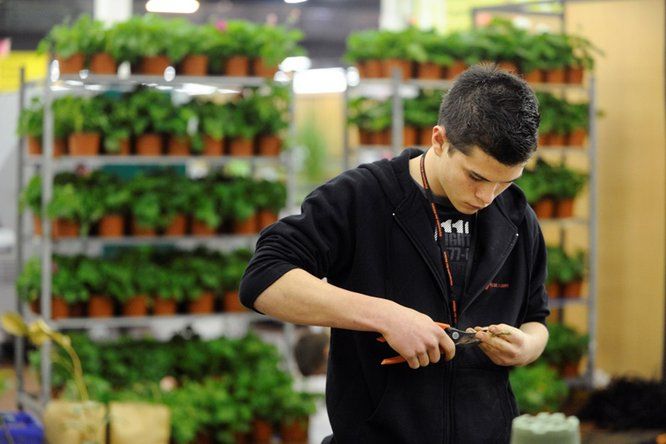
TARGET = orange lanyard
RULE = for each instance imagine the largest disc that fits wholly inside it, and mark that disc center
(440, 240)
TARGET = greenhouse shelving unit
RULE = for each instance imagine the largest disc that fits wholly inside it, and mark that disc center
(47, 165)
(396, 88)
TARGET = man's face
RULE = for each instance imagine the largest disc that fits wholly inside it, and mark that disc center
(471, 182)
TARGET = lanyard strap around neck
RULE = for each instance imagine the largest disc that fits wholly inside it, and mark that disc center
(440, 239)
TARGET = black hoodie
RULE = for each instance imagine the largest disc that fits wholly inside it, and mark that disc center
(369, 230)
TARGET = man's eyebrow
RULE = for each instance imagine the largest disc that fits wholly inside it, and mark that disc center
(480, 177)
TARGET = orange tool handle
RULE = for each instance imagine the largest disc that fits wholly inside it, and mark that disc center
(398, 359)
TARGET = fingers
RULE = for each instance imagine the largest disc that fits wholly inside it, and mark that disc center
(413, 362)
(447, 346)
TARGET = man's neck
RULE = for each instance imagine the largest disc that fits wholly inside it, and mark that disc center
(415, 172)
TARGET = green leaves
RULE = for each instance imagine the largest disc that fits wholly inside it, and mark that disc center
(31, 119)
(369, 114)
(538, 388)
(564, 268)
(565, 345)
(86, 36)
(546, 180)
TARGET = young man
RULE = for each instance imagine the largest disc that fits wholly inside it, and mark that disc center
(437, 236)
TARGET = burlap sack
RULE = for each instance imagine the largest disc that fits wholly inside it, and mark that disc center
(68, 422)
(133, 423)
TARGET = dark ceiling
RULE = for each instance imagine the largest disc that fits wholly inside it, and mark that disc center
(326, 23)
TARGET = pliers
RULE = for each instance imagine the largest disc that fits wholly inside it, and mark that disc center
(460, 338)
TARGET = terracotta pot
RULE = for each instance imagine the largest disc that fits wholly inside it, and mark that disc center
(576, 138)
(164, 307)
(454, 70)
(201, 229)
(237, 66)
(295, 431)
(535, 76)
(266, 218)
(154, 65)
(84, 144)
(149, 145)
(269, 145)
(574, 75)
(570, 370)
(102, 63)
(410, 136)
(59, 147)
(112, 225)
(100, 307)
(231, 302)
(213, 147)
(65, 228)
(425, 136)
(194, 65)
(247, 226)
(262, 431)
(204, 304)
(555, 75)
(572, 289)
(136, 306)
(545, 208)
(376, 138)
(554, 290)
(77, 310)
(404, 66)
(71, 65)
(59, 308)
(178, 146)
(204, 437)
(240, 146)
(509, 67)
(556, 139)
(429, 70)
(360, 66)
(141, 231)
(260, 69)
(543, 139)
(364, 137)
(564, 208)
(34, 146)
(37, 225)
(373, 69)
(177, 227)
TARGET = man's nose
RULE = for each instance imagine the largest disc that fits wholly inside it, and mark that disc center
(486, 193)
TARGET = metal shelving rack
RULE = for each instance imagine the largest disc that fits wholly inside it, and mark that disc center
(48, 164)
(395, 85)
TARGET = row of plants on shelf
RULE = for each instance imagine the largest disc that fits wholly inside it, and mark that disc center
(565, 273)
(554, 58)
(551, 189)
(562, 123)
(151, 44)
(224, 390)
(139, 281)
(565, 349)
(253, 122)
(154, 202)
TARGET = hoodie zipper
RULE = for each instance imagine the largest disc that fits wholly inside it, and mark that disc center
(448, 373)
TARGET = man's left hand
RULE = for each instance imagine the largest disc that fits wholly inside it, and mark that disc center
(504, 345)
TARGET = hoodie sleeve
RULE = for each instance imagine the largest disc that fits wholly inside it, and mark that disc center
(318, 240)
(537, 304)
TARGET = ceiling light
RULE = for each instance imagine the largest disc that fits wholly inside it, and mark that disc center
(295, 1)
(172, 6)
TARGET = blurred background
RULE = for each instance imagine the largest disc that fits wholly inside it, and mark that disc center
(145, 144)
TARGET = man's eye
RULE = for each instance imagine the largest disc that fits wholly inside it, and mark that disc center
(474, 178)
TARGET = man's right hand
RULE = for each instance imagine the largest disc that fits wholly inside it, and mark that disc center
(416, 337)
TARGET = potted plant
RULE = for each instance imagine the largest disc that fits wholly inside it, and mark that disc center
(177, 203)
(579, 121)
(84, 118)
(144, 40)
(113, 198)
(239, 39)
(567, 185)
(72, 44)
(393, 53)
(89, 275)
(537, 388)
(583, 59)
(31, 197)
(364, 51)
(148, 108)
(270, 197)
(275, 43)
(147, 203)
(558, 56)
(68, 293)
(206, 271)
(117, 127)
(295, 409)
(65, 210)
(214, 126)
(30, 125)
(438, 57)
(200, 40)
(231, 274)
(187, 47)
(571, 275)
(118, 283)
(241, 128)
(557, 259)
(205, 206)
(29, 283)
(271, 119)
(542, 177)
(180, 124)
(241, 207)
(565, 348)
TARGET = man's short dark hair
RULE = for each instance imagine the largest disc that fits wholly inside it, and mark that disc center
(309, 352)
(494, 110)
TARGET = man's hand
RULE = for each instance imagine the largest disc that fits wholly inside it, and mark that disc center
(509, 346)
(416, 337)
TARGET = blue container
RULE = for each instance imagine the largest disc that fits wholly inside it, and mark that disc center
(22, 427)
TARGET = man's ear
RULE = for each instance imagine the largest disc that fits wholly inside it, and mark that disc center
(439, 141)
